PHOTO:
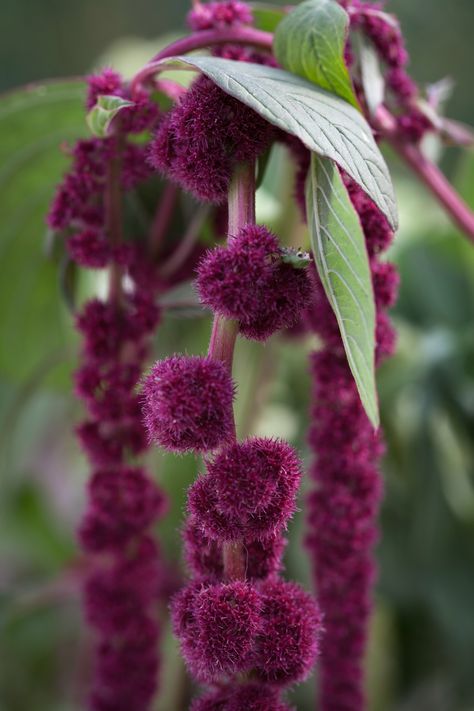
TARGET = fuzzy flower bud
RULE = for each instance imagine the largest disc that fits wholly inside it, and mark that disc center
(205, 136)
(188, 403)
(249, 491)
(288, 645)
(216, 625)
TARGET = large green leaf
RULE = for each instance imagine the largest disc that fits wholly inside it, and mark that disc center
(343, 265)
(325, 123)
(34, 122)
(310, 42)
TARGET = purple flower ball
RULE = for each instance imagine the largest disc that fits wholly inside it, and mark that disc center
(249, 491)
(188, 403)
(217, 626)
(204, 555)
(231, 280)
(248, 697)
(288, 645)
(123, 503)
(206, 135)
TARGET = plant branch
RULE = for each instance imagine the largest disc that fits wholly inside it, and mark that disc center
(428, 172)
(201, 40)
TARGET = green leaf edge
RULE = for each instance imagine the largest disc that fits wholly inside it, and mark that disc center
(368, 397)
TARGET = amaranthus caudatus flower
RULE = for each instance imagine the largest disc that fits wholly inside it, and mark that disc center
(246, 634)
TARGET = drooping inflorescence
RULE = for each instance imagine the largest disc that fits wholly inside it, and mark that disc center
(343, 507)
(121, 589)
(236, 618)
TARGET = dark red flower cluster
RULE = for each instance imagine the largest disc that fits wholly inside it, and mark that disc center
(78, 209)
(248, 493)
(344, 505)
(219, 15)
(123, 582)
(188, 404)
(236, 616)
(247, 281)
(204, 137)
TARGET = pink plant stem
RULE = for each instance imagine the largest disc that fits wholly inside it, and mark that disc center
(429, 174)
(201, 40)
(224, 331)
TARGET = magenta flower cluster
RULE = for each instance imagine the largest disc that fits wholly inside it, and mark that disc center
(243, 631)
(343, 507)
(124, 567)
(204, 137)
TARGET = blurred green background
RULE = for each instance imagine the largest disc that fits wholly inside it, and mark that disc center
(422, 647)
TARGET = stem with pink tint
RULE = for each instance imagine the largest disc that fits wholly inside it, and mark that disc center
(202, 40)
(428, 172)
(241, 204)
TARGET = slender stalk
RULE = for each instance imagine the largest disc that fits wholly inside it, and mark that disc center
(201, 40)
(113, 217)
(224, 331)
(233, 555)
(185, 247)
(222, 343)
(428, 172)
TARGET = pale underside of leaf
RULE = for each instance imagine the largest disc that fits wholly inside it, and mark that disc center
(343, 266)
(373, 82)
(325, 123)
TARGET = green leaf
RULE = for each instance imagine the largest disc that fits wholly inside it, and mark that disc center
(373, 82)
(343, 266)
(267, 17)
(310, 42)
(101, 115)
(325, 123)
(34, 122)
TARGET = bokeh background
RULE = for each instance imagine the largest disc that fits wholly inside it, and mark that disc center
(422, 647)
